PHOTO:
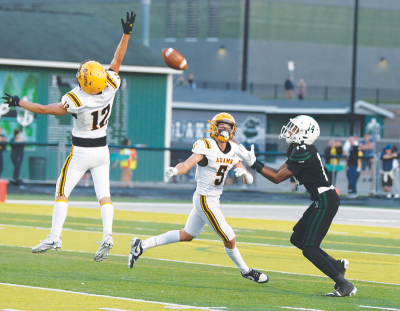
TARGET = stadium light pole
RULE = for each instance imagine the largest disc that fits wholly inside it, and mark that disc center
(354, 67)
(245, 44)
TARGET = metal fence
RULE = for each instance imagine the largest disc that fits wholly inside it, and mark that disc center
(42, 162)
(277, 91)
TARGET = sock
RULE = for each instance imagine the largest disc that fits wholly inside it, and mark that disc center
(149, 243)
(234, 254)
(322, 263)
(107, 215)
(59, 215)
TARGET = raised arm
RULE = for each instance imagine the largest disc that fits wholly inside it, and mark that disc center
(123, 44)
(184, 167)
(54, 109)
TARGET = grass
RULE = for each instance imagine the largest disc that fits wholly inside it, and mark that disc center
(197, 274)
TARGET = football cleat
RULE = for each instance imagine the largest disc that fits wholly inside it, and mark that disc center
(105, 246)
(48, 243)
(256, 276)
(136, 251)
(341, 266)
(342, 291)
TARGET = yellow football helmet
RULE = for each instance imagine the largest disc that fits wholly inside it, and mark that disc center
(222, 117)
(92, 77)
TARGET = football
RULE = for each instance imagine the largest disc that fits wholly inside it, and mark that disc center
(174, 59)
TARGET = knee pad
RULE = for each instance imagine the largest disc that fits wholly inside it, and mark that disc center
(297, 240)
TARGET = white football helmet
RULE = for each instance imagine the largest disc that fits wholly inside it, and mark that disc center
(300, 130)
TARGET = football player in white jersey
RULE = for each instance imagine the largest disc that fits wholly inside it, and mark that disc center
(90, 105)
(214, 158)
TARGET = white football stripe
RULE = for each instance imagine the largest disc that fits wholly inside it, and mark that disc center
(379, 308)
(169, 51)
(183, 64)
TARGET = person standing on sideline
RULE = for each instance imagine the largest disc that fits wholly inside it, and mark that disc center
(3, 139)
(128, 165)
(90, 104)
(214, 157)
(304, 163)
(17, 155)
(289, 88)
(387, 172)
(367, 147)
(353, 163)
(301, 89)
(191, 84)
(396, 173)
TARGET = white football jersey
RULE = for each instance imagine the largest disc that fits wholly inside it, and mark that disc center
(91, 112)
(212, 170)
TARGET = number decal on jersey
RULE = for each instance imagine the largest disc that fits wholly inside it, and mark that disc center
(95, 114)
(221, 172)
(322, 166)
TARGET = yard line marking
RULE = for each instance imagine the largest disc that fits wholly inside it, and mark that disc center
(379, 308)
(166, 304)
(214, 265)
(11, 310)
(335, 232)
(207, 240)
(301, 309)
(376, 232)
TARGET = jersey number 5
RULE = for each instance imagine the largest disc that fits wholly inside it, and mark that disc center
(95, 114)
(221, 172)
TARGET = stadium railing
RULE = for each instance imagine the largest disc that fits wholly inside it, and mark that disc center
(42, 163)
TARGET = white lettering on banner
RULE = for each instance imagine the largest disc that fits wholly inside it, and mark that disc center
(4, 109)
(189, 130)
(178, 133)
(24, 117)
(200, 131)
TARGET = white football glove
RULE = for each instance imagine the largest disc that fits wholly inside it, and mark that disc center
(240, 172)
(247, 156)
(171, 171)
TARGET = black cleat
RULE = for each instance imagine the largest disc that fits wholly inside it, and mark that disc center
(256, 276)
(341, 266)
(342, 291)
(136, 251)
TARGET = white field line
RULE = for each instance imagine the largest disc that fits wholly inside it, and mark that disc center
(213, 265)
(207, 240)
(166, 304)
(379, 308)
(301, 309)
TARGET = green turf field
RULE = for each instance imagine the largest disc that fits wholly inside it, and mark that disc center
(196, 275)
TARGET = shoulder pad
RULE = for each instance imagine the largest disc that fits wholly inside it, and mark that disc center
(302, 153)
(113, 80)
(201, 146)
(71, 102)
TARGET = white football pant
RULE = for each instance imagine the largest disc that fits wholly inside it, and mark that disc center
(81, 159)
(206, 210)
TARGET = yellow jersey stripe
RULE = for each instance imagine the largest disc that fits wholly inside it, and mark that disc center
(75, 99)
(212, 219)
(61, 201)
(207, 143)
(111, 81)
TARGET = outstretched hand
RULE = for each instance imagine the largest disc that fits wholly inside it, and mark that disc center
(11, 100)
(128, 25)
(171, 171)
(245, 155)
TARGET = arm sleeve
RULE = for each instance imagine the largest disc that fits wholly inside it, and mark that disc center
(113, 80)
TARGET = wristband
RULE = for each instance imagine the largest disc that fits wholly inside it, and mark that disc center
(257, 166)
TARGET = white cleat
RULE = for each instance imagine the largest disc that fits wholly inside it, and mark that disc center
(256, 276)
(343, 291)
(46, 244)
(105, 246)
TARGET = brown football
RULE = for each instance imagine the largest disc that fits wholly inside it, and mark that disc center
(174, 59)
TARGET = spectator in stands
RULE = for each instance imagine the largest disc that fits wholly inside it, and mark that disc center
(352, 165)
(332, 164)
(128, 165)
(3, 139)
(180, 82)
(387, 157)
(396, 169)
(301, 89)
(289, 88)
(367, 146)
(17, 155)
(190, 82)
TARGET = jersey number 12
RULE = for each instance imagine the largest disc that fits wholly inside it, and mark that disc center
(95, 114)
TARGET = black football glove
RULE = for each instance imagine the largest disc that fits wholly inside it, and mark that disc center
(127, 26)
(11, 100)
